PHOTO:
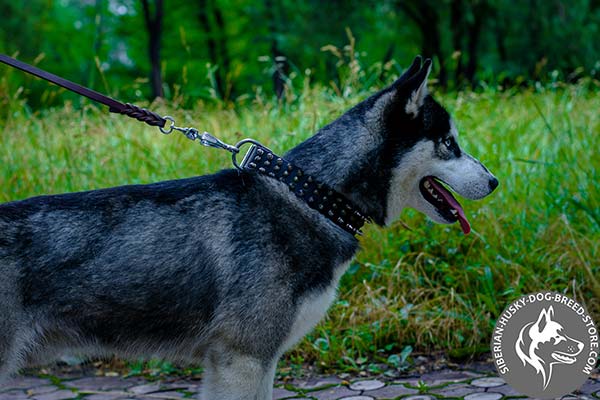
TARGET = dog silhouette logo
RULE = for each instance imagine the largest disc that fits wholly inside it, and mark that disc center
(545, 345)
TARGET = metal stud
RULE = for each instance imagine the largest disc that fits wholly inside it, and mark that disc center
(340, 221)
(292, 185)
(299, 173)
(305, 186)
(257, 158)
(309, 179)
(311, 199)
(279, 161)
(276, 168)
(267, 163)
(261, 169)
(334, 205)
(260, 151)
(296, 178)
(285, 173)
(290, 167)
(330, 213)
(320, 206)
(252, 165)
(272, 175)
(270, 156)
(300, 192)
(324, 198)
(329, 193)
(316, 192)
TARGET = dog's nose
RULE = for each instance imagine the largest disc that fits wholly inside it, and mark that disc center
(493, 184)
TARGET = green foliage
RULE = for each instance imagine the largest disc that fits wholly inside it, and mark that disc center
(215, 50)
(415, 286)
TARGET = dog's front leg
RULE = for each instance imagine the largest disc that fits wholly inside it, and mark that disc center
(232, 376)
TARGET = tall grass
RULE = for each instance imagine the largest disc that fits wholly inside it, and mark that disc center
(414, 284)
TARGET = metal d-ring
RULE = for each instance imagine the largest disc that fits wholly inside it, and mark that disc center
(240, 144)
(170, 127)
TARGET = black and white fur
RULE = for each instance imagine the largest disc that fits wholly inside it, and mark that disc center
(229, 270)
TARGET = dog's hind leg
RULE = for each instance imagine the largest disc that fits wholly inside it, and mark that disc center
(232, 376)
(10, 317)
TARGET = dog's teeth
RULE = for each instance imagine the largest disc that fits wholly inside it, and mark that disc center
(427, 184)
(454, 212)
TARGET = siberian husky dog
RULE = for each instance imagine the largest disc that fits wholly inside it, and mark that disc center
(228, 270)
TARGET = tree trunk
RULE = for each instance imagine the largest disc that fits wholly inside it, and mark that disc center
(225, 61)
(457, 22)
(280, 64)
(154, 28)
(425, 14)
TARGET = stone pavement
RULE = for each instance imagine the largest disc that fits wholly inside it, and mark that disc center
(461, 384)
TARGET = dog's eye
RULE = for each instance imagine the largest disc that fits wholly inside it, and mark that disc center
(448, 142)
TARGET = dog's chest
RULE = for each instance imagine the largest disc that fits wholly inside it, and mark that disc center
(312, 308)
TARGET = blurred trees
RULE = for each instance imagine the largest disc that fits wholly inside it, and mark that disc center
(227, 48)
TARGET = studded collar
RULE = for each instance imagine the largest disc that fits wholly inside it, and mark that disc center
(317, 195)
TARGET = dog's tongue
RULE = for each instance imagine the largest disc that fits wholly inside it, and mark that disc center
(452, 202)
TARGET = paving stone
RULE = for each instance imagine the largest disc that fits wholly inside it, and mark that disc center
(439, 378)
(13, 395)
(145, 389)
(105, 396)
(41, 390)
(357, 398)
(391, 392)
(333, 393)
(58, 395)
(281, 393)
(23, 382)
(315, 383)
(99, 383)
(484, 396)
(590, 386)
(419, 397)
(166, 395)
(488, 382)
(507, 390)
(371, 384)
(456, 390)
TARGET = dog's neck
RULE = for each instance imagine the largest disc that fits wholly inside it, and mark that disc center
(346, 156)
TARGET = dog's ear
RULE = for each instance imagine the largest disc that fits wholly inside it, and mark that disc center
(416, 87)
(544, 318)
(409, 73)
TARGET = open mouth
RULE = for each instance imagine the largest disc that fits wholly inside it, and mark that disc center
(449, 208)
(563, 358)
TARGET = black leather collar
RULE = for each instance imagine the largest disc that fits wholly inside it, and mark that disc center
(318, 196)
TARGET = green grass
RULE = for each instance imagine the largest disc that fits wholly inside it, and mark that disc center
(415, 285)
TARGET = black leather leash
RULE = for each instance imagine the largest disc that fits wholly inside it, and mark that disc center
(258, 159)
(141, 114)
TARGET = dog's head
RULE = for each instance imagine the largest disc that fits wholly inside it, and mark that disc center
(549, 342)
(426, 158)
(397, 149)
(544, 343)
